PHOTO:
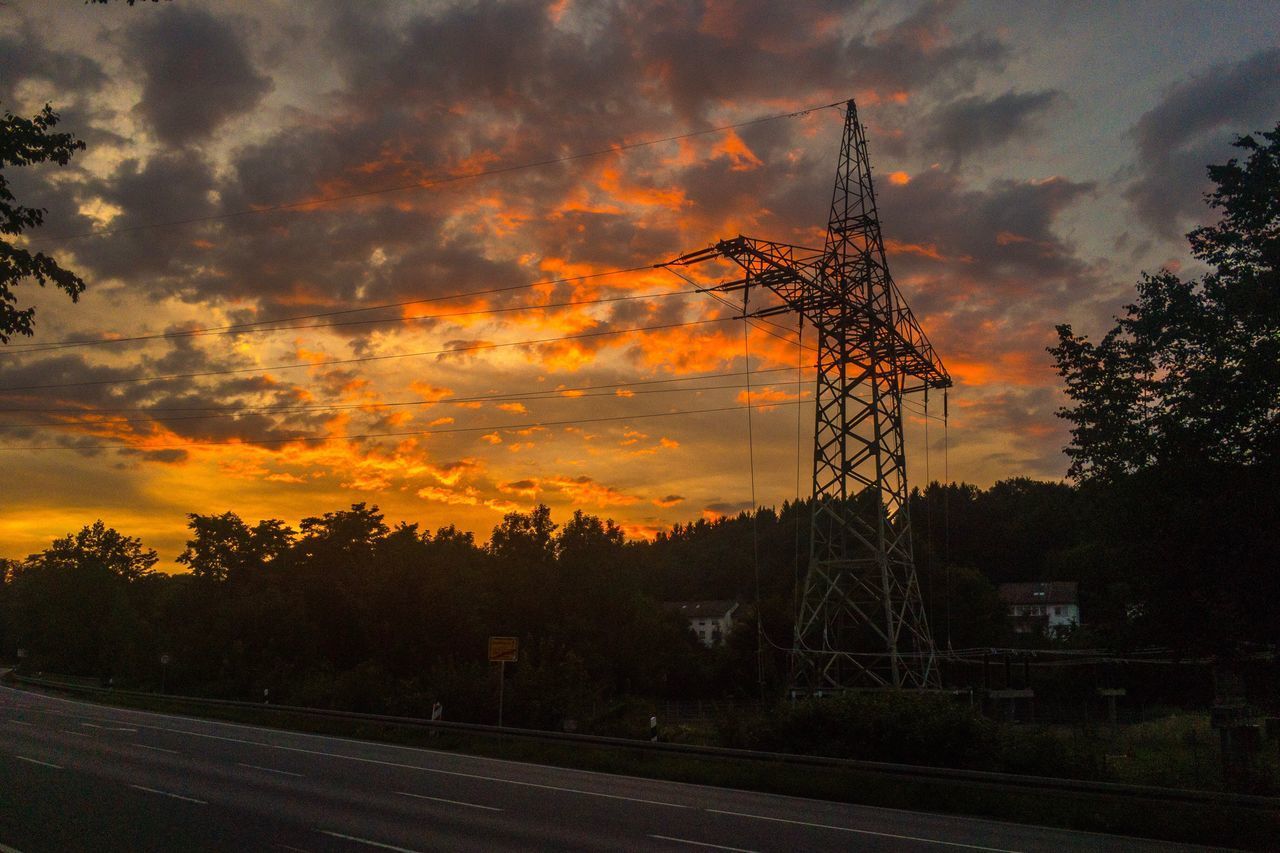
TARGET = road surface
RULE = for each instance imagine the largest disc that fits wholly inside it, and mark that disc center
(78, 776)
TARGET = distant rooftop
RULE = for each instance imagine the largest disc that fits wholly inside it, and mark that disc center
(1048, 592)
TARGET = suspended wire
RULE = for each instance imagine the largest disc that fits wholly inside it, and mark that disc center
(368, 358)
(755, 322)
(299, 407)
(585, 391)
(253, 326)
(946, 513)
(755, 513)
(324, 439)
(795, 595)
(435, 182)
(928, 515)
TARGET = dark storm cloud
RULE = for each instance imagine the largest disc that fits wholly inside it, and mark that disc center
(1002, 233)
(453, 83)
(705, 55)
(196, 74)
(219, 408)
(23, 57)
(728, 508)
(168, 187)
(1193, 127)
(977, 124)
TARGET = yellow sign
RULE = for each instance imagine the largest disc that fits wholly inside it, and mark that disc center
(503, 649)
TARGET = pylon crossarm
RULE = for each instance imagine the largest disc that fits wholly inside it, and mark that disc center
(800, 276)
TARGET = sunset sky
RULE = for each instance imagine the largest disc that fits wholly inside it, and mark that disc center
(1031, 160)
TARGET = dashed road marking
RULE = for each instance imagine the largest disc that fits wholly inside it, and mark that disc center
(269, 769)
(701, 844)
(36, 761)
(867, 832)
(451, 802)
(169, 794)
(367, 841)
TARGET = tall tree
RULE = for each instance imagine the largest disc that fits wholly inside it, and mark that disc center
(24, 142)
(97, 546)
(1192, 370)
(224, 548)
(525, 536)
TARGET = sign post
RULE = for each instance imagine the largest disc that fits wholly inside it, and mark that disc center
(502, 650)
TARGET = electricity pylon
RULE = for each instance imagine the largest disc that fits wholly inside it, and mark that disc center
(861, 622)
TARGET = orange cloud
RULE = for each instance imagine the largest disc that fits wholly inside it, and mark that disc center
(732, 146)
(762, 397)
(585, 490)
(467, 497)
(450, 473)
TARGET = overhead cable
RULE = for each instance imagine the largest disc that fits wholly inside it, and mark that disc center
(324, 439)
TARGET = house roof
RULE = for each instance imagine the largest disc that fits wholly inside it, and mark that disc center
(703, 609)
(1047, 592)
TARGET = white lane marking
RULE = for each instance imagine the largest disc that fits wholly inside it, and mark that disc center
(109, 728)
(169, 794)
(451, 802)
(701, 844)
(73, 732)
(269, 769)
(21, 723)
(157, 748)
(331, 738)
(425, 769)
(37, 761)
(367, 841)
(868, 832)
(5, 848)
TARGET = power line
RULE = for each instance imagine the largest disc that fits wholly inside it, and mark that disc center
(324, 439)
(550, 394)
(366, 358)
(434, 182)
(243, 328)
(301, 407)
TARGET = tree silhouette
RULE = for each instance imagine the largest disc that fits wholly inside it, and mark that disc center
(1193, 368)
(24, 142)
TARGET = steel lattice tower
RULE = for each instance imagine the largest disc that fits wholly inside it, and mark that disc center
(861, 622)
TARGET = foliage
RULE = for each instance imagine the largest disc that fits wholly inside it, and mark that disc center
(26, 142)
(1193, 368)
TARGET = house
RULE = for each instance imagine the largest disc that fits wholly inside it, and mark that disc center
(1042, 607)
(710, 620)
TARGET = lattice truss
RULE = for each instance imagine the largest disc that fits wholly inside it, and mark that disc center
(861, 621)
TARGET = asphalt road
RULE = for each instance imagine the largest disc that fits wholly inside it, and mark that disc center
(77, 776)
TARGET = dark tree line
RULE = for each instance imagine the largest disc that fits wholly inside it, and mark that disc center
(349, 612)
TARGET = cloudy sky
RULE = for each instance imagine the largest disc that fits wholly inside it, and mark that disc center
(473, 344)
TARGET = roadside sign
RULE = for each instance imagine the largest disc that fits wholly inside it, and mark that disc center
(503, 649)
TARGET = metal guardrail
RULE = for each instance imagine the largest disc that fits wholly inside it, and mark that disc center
(905, 771)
